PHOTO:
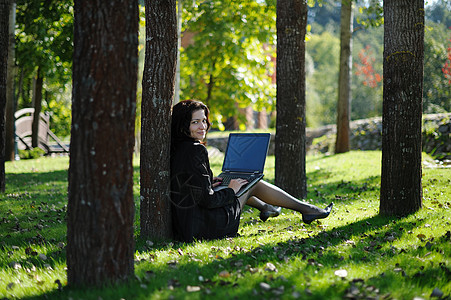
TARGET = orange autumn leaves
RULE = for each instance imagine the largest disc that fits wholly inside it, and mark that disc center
(365, 69)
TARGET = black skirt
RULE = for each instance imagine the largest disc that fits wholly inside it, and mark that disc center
(198, 223)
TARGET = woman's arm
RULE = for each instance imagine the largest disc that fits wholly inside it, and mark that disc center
(201, 184)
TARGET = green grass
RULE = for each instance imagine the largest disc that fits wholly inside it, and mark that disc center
(385, 258)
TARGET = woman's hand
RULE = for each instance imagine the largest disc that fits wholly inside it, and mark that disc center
(216, 181)
(236, 184)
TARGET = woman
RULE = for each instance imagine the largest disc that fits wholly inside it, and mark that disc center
(199, 212)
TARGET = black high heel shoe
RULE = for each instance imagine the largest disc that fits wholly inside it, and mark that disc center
(307, 219)
(264, 215)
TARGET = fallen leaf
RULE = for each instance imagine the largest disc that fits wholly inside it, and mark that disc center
(191, 289)
(421, 236)
(224, 274)
(437, 293)
(341, 273)
(264, 286)
(270, 267)
(15, 265)
(250, 269)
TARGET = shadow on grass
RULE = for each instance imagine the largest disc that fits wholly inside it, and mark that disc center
(341, 189)
(368, 245)
(34, 208)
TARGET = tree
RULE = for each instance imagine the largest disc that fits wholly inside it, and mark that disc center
(100, 244)
(44, 44)
(4, 44)
(158, 91)
(290, 124)
(10, 101)
(37, 105)
(342, 143)
(226, 56)
(401, 189)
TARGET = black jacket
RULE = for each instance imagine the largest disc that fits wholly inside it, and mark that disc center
(194, 203)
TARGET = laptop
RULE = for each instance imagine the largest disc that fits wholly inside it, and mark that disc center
(245, 158)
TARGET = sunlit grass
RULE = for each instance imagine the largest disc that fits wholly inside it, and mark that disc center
(378, 257)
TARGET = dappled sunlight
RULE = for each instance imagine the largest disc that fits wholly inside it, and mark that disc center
(352, 252)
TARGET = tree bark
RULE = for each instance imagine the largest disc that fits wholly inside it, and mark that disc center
(158, 92)
(401, 189)
(37, 104)
(290, 123)
(4, 42)
(10, 101)
(342, 143)
(100, 244)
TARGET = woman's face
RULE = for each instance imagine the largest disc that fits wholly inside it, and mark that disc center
(198, 125)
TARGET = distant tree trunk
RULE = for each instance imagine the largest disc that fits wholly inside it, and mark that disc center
(401, 189)
(4, 42)
(342, 143)
(158, 91)
(100, 244)
(10, 101)
(290, 123)
(37, 104)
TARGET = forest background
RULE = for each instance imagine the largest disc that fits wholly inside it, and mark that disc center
(228, 55)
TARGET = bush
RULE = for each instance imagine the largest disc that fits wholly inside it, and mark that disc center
(30, 154)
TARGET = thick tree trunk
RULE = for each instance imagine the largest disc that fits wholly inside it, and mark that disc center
(342, 144)
(37, 104)
(10, 101)
(100, 244)
(290, 124)
(4, 41)
(158, 92)
(401, 189)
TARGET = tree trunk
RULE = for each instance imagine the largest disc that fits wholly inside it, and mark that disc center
(4, 42)
(179, 45)
(290, 123)
(342, 143)
(10, 101)
(37, 104)
(401, 189)
(100, 244)
(158, 91)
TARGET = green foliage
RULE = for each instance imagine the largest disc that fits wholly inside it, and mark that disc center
(370, 14)
(44, 40)
(31, 154)
(322, 78)
(60, 115)
(386, 258)
(323, 47)
(439, 11)
(436, 88)
(229, 60)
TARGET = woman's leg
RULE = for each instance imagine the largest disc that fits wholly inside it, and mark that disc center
(266, 210)
(255, 203)
(273, 195)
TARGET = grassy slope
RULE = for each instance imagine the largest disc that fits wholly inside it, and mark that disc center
(281, 258)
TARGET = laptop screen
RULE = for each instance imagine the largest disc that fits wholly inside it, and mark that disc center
(246, 152)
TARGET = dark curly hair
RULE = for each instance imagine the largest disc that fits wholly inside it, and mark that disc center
(182, 113)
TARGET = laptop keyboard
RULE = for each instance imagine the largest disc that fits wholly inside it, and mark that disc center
(227, 177)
